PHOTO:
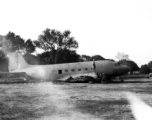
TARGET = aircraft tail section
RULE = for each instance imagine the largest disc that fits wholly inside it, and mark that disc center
(16, 61)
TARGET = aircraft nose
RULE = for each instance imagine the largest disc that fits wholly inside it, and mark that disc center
(126, 68)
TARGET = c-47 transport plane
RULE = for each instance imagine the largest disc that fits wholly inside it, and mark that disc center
(62, 72)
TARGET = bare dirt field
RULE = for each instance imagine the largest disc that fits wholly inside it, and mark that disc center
(71, 101)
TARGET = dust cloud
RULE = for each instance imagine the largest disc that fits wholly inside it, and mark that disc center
(58, 99)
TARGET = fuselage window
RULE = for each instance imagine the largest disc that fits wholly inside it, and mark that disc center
(66, 70)
(86, 68)
(72, 70)
(79, 69)
(59, 71)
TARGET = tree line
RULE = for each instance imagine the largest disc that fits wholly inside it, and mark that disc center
(124, 59)
(146, 68)
(58, 47)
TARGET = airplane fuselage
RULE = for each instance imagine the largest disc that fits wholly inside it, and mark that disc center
(64, 71)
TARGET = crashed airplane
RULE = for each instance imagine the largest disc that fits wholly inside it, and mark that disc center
(65, 71)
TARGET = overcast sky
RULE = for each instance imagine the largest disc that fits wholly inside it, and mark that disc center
(102, 27)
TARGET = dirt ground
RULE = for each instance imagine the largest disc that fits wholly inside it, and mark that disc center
(71, 101)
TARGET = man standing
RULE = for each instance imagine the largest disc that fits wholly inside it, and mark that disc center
(94, 65)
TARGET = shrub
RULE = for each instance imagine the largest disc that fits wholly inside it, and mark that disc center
(145, 69)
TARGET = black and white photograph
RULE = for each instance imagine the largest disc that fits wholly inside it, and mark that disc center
(76, 60)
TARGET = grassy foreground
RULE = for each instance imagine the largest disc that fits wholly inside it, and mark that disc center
(71, 101)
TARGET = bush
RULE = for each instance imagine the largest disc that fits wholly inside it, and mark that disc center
(145, 69)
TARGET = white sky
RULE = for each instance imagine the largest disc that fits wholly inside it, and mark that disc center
(102, 27)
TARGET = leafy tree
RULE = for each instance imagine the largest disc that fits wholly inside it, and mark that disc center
(68, 56)
(150, 64)
(46, 57)
(12, 42)
(29, 46)
(65, 56)
(90, 58)
(1, 37)
(145, 69)
(55, 41)
(1, 40)
(122, 56)
(97, 57)
(3, 62)
(110, 59)
(2, 55)
(86, 58)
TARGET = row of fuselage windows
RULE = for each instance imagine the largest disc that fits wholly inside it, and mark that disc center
(72, 70)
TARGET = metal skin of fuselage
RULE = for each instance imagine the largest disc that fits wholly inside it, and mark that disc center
(64, 71)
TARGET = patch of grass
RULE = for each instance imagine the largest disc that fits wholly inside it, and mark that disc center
(107, 101)
(110, 109)
(144, 90)
(19, 103)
